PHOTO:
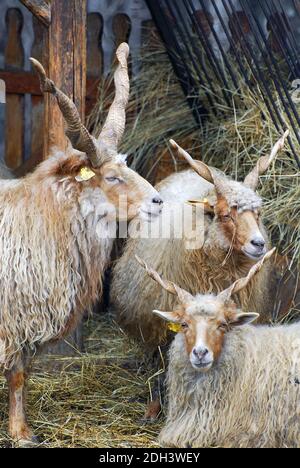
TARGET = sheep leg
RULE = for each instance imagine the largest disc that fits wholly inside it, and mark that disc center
(18, 426)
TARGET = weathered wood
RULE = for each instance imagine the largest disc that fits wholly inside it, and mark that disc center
(20, 82)
(66, 65)
(14, 121)
(37, 102)
(94, 51)
(66, 59)
(40, 9)
(121, 28)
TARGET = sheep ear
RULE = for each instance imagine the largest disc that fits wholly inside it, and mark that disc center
(207, 207)
(168, 316)
(243, 319)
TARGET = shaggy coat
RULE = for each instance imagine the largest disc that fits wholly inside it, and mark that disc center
(250, 397)
(202, 270)
(55, 244)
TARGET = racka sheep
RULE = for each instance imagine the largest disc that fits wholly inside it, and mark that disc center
(234, 239)
(57, 229)
(229, 384)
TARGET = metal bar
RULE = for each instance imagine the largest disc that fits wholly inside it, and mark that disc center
(232, 45)
(260, 78)
(252, 18)
(210, 56)
(281, 42)
(277, 77)
(155, 7)
(213, 59)
(289, 29)
(218, 42)
(186, 45)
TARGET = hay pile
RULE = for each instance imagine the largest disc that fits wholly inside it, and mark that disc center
(94, 400)
(232, 140)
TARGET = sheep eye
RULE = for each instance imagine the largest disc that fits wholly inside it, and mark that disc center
(184, 325)
(223, 326)
(112, 180)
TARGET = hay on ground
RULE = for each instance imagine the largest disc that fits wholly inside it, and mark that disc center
(94, 400)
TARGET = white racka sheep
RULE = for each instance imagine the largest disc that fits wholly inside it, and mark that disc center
(229, 384)
(57, 232)
(234, 239)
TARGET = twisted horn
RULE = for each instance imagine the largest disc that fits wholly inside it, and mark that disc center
(242, 282)
(202, 169)
(76, 131)
(114, 126)
(251, 180)
(170, 287)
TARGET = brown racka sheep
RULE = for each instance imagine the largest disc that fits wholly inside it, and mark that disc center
(229, 384)
(57, 231)
(234, 239)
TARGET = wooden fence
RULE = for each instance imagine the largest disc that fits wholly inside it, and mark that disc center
(23, 130)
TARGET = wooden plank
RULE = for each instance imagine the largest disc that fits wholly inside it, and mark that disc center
(121, 27)
(37, 101)
(79, 55)
(21, 82)
(14, 121)
(40, 9)
(94, 51)
(66, 61)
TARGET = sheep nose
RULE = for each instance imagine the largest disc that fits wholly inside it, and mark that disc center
(200, 353)
(258, 242)
(157, 200)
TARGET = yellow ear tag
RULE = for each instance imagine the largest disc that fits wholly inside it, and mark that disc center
(174, 327)
(85, 174)
(196, 202)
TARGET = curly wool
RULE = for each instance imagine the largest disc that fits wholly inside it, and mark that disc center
(54, 247)
(250, 398)
(201, 270)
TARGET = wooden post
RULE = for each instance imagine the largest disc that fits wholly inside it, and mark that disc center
(66, 56)
(65, 59)
(14, 60)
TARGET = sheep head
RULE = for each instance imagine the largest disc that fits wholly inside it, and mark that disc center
(103, 166)
(205, 319)
(234, 208)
